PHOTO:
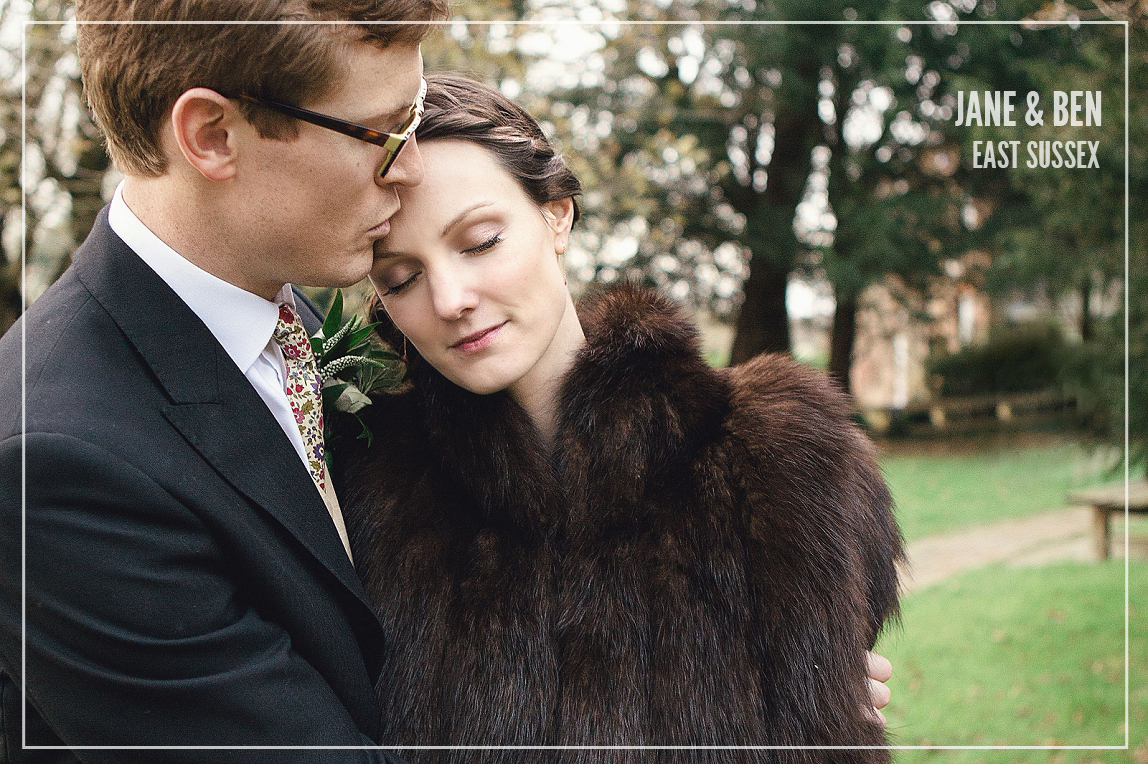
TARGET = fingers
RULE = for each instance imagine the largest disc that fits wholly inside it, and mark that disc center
(879, 694)
(880, 671)
(878, 667)
(878, 717)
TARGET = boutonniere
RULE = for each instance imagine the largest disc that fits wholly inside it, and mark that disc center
(353, 363)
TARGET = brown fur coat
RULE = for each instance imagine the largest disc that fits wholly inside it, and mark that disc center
(703, 559)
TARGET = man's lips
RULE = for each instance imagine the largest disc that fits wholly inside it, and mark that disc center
(382, 229)
(480, 340)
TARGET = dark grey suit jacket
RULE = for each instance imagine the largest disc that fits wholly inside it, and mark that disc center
(182, 581)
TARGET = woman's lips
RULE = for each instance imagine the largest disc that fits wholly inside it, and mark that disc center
(473, 343)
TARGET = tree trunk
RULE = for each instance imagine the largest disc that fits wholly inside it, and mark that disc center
(841, 342)
(762, 323)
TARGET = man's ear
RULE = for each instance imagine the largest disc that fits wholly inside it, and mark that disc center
(203, 123)
(560, 215)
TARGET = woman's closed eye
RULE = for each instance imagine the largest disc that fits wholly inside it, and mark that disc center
(401, 286)
(486, 245)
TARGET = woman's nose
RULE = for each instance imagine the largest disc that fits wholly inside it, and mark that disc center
(452, 294)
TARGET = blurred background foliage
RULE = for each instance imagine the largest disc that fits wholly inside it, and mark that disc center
(723, 160)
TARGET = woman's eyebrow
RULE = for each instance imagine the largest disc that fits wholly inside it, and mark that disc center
(383, 255)
(459, 217)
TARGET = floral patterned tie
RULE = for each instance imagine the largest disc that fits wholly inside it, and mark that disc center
(303, 389)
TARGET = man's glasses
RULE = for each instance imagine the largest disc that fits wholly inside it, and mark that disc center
(392, 143)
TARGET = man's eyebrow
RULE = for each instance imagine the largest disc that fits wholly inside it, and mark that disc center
(458, 218)
(386, 120)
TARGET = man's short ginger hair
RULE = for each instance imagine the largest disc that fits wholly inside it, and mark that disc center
(133, 73)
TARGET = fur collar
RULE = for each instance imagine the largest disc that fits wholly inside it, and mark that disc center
(640, 400)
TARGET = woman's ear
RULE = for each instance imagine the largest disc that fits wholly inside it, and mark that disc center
(203, 124)
(560, 215)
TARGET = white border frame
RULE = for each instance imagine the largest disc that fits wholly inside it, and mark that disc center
(23, 256)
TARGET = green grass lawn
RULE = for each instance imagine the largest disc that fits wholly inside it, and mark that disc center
(1031, 656)
(942, 489)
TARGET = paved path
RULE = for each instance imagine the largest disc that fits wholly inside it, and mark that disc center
(1036, 540)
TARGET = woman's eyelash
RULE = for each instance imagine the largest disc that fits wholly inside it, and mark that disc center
(488, 244)
(484, 246)
(400, 287)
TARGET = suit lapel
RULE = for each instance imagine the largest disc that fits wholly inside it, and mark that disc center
(212, 403)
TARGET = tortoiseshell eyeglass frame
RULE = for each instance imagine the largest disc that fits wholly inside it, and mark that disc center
(391, 142)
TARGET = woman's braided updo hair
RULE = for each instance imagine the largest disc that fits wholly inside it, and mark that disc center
(462, 109)
(457, 108)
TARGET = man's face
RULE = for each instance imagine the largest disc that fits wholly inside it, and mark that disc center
(315, 205)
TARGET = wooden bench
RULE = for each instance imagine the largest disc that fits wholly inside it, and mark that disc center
(1105, 500)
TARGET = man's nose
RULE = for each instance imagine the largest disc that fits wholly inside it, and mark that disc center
(407, 169)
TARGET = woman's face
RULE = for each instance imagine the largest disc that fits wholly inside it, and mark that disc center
(470, 274)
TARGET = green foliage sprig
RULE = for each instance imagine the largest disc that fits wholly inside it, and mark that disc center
(353, 363)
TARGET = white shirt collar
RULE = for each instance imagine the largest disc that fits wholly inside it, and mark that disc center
(242, 322)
